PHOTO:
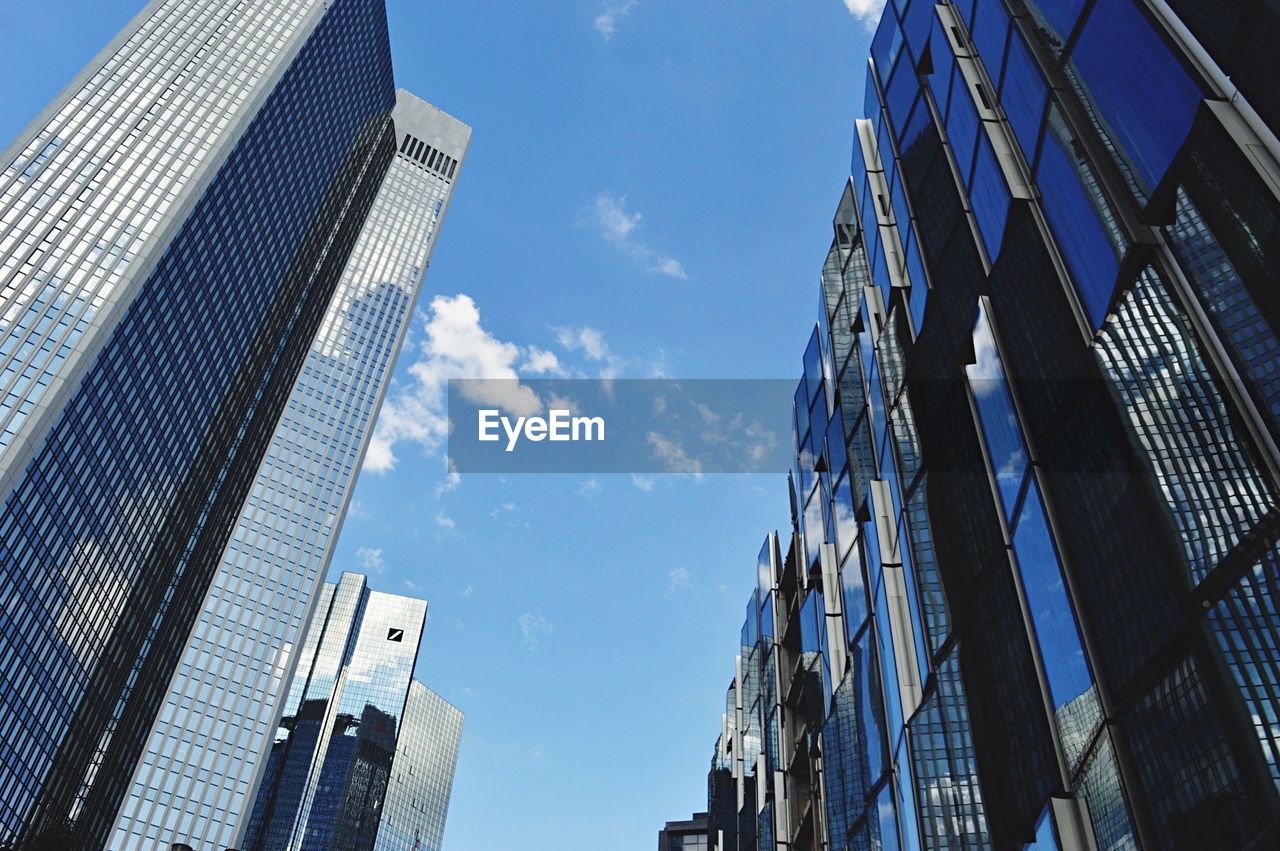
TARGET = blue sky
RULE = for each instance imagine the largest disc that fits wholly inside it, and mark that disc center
(649, 191)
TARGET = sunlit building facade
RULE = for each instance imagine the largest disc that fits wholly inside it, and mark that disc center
(197, 314)
(1027, 597)
(364, 756)
(282, 543)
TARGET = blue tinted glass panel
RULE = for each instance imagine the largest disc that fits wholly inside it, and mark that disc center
(884, 820)
(996, 414)
(1024, 94)
(989, 195)
(1045, 840)
(916, 25)
(764, 568)
(888, 667)
(913, 600)
(836, 453)
(944, 66)
(766, 617)
(814, 528)
(879, 423)
(907, 813)
(962, 123)
(1074, 220)
(813, 366)
(919, 283)
(990, 32)
(1051, 612)
(886, 45)
(1054, 20)
(1145, 98)
(871, 733)
(852, 581)
(898, 197)
(916, 125)
(902, 90)
(858, 171)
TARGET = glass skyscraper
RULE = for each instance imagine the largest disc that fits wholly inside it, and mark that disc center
(1028, 595)
(364, 756)
(209, 246)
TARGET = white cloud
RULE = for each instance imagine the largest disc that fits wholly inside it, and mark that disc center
(444, 521)
(590, 488)
(370, 559)
(588, 340)
(539, 361)
(456, 346)
(679, 580)
(673, 456)
(606, 22)
(535, 627)
(644, 483)
(618, 226)
(867, 11)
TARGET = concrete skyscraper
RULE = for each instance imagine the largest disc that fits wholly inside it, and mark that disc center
(209, 247)
(364, 757)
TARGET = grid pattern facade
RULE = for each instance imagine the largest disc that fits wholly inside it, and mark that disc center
(282, 542)
(333, 757)
(417, 801)
(148, 458)
(1030, 588)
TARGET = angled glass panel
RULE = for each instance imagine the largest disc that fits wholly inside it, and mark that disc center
(1138, 92)
(1023, 95)
(996, 414)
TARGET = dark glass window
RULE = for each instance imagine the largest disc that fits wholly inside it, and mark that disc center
(1023, 95)
(1054, 21)
(962, 123)
(990, 33)
(989, 196)
(1138, 91)
(1067, 187)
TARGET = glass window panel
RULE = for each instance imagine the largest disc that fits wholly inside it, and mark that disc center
(989, 195)
(990, 32)
(888, 666)
(884, 820)
(879, 424)
(907, 814)
(1143, 96)
(898, 197)
(836, 453)
(1064, 660)
(915, 125)
(902, 90)
(995, 413)
(852, 580)
(919, 282)
(813, 366)
(1073, 217)
(886, 45)
(1023, 95)
(962, 123)
(1054, 20)
(916, 23)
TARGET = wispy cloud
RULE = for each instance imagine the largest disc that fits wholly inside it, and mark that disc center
(370, 559)
(590, 488)
(619, 227)
(644, 483)
(867, 11)
(678, 580)
(444, 521)
(534, 626)
(607, 21)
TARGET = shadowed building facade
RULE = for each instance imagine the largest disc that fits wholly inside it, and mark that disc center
(1027, 598)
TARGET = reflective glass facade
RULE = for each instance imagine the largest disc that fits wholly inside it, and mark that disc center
(281, 544)
(417, 802)
(175, 227)
(1026, 599)
(357, 743)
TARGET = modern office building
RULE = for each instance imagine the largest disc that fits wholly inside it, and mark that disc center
(1028, 594)
(281, 545)
(209, 245)
(685, 835)
(364, 757)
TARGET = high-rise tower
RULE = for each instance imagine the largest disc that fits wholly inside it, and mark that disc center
(196, 321)
(1028, 598)
(364, 757)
